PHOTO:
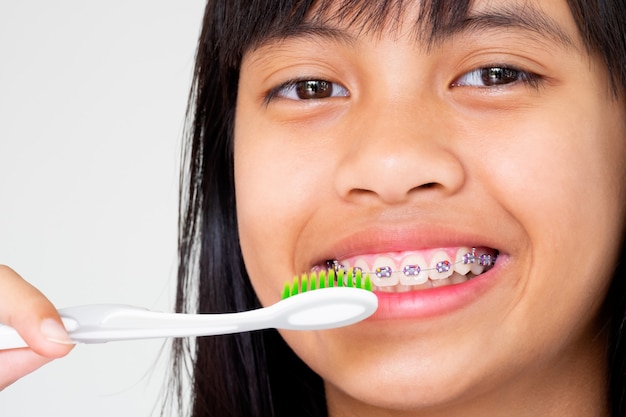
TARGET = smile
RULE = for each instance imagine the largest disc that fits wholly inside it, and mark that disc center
(410, 271)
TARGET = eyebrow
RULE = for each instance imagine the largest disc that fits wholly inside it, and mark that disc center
(523, 18)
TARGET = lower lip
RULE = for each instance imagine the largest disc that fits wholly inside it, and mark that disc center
(438, 301)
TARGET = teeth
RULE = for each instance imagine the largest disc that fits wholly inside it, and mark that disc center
(477, 267)
(453, 279)
(440, 266)
(485, 259)
(397, 273)
(463, 261)
(441, 282)
(383, 272)
(411, 271)
(458, 278)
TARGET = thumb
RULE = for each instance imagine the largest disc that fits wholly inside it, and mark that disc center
(28, 311)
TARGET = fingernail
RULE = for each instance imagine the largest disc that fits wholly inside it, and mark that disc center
(54, 332)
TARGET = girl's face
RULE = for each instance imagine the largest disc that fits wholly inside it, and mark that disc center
(371, 149)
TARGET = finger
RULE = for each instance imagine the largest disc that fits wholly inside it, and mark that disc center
(17, 363)
(26, 309)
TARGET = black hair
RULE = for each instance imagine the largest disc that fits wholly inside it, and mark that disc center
(256, 374)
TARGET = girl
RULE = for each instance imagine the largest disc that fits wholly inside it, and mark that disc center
(482, 142)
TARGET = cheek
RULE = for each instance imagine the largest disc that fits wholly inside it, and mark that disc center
(277, 187)
(560, 176)
(260, 204)
(565, 167)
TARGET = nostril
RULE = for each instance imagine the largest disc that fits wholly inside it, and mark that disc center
(397, 176)
(361, 191)
(424, 187)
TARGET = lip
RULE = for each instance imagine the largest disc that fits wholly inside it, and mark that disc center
(425, 303)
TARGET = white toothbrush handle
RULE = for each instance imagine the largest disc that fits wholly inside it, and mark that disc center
(144, 324)
(130, 323)
(314, 310)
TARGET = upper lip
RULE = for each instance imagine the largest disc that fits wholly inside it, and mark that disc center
(374, 240)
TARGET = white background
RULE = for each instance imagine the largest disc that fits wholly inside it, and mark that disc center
(92, 101)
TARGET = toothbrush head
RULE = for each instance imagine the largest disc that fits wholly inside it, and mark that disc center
(354, 278)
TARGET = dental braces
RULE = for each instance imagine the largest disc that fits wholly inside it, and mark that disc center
(413, 270)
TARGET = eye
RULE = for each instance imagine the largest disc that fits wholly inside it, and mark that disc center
(496, 76)
(308, 90)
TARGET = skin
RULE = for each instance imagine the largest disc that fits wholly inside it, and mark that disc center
(418, 148)
(32, 314)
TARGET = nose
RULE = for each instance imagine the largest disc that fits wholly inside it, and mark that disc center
(398, 152)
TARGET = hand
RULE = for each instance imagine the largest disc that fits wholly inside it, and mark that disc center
(27, 310)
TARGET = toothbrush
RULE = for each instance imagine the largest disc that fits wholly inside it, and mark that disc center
(313, 302)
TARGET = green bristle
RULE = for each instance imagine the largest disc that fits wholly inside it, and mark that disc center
(322, 279)
(326, 279)
(294, 286)
(286, 290)
(368, 283)
(350, 278)
(313, 281)
(358, 277)
(304, 283)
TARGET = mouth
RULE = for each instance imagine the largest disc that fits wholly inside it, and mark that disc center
(417, 270)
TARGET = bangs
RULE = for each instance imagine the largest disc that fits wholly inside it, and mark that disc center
(433, 17)
(257, 22)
